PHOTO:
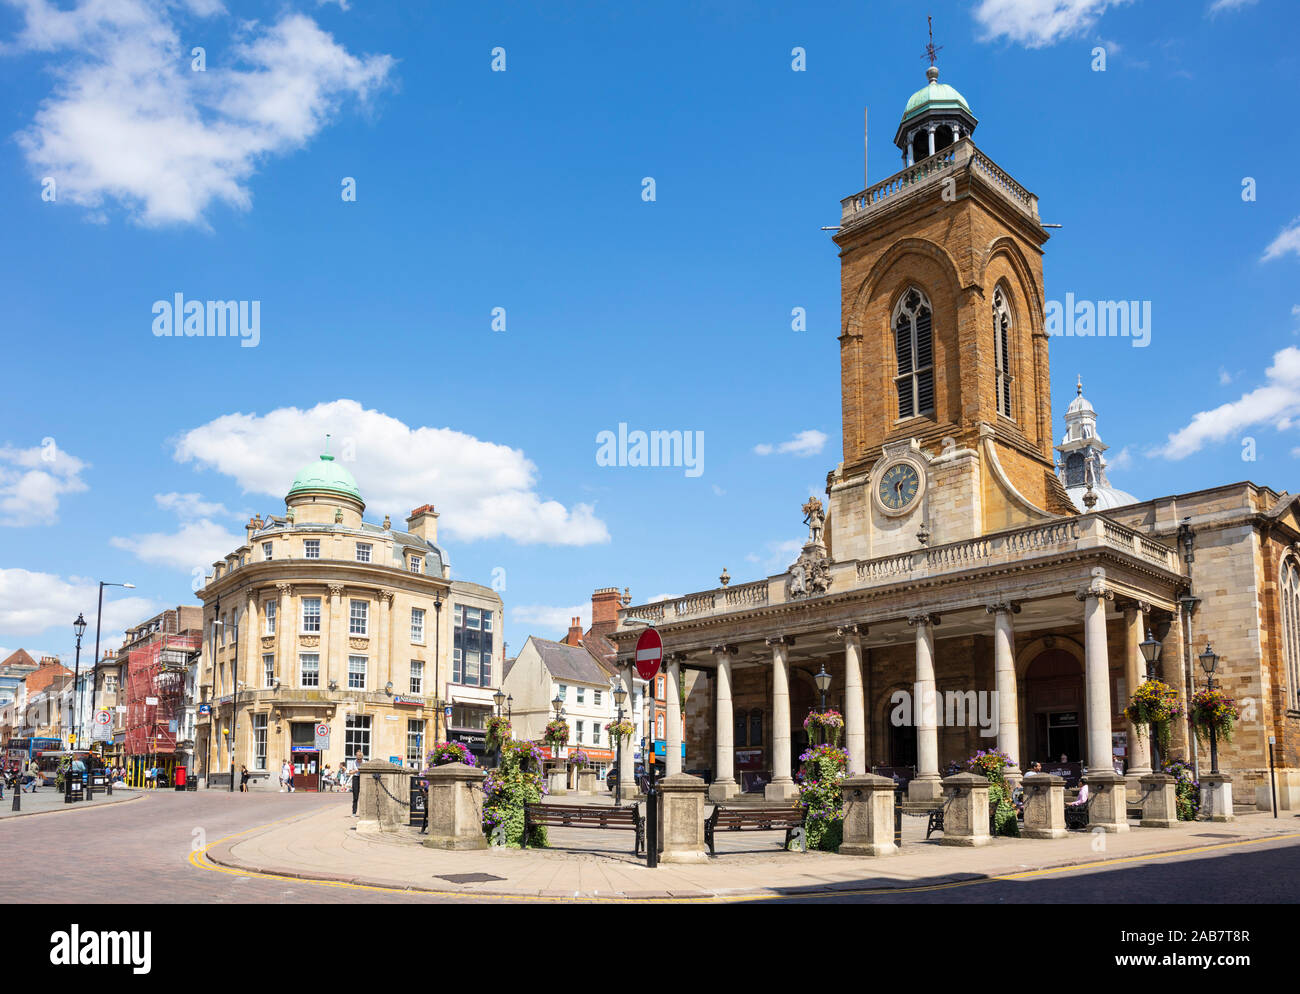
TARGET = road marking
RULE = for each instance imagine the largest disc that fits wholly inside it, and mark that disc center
(199, 860)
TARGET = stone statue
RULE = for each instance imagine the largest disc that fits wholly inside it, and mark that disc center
(815, 518)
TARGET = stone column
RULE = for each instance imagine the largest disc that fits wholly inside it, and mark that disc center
(782, 787)
(1139, 748)
(1004, 674)
(334, 640)
(286, 631)
(1097, 671)
(252, 653)
(868, 816)
(681, 819)
(931, 131)
(384, 661)
(455, 811)
(956, 134)
(673, 714)
(724, 775)
(966, 811)
(927, 786)
(855, 726)
(1044, 806)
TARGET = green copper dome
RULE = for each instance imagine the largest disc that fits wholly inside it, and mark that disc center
(935, 96)
(326, 474)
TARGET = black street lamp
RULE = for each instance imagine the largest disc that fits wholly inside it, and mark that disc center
(823, 681)
(437, 659)
(500, 700)
(78, 626)
(1209, 660)
(1150, 650)
(620, 695)
(94, 673)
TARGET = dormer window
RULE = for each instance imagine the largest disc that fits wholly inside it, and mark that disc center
(266, 550)
(416, 563)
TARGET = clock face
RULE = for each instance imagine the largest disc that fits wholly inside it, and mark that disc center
(899, 486)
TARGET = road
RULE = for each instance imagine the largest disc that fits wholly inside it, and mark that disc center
(139, 852)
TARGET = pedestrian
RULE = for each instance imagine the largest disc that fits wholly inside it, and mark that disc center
(284, 776)
(243, 779)
(289, 776)
(354, 768)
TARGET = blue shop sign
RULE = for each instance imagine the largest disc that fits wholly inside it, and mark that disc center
(661, 748)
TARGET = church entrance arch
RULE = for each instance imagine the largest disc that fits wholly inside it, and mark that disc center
(1052, 689)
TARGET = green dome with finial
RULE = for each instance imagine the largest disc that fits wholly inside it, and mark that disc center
(935, 96)
(325, 474)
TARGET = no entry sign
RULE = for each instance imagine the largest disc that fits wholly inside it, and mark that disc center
(649, 653)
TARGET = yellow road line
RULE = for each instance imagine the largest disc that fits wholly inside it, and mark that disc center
(199, 859)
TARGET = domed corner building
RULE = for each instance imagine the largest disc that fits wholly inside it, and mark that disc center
(323, 621)
(963, 589)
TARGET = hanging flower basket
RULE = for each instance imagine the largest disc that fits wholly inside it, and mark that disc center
(620, 729)
(579, 758)
(498, 730)
(557, 732)
(1213, 709)
(443, 753)
(824, 727)
(1154, 703)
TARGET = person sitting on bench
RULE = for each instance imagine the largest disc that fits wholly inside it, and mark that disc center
(1083, 796)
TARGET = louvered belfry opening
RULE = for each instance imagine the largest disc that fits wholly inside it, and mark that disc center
(1002, 350)
(913, 349)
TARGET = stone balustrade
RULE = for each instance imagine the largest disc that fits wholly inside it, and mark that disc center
(1045, 541)
(934, 169)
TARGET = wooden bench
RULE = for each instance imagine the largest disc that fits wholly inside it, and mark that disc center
(585, 816)
(935, 822)
(752, 820)
(1076, 815)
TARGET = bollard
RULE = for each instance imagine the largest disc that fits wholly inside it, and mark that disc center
(652, 824)
(898, 817)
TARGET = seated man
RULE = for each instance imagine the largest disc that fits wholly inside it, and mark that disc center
(1083, 796)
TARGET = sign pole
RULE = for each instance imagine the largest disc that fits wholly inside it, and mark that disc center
(649, 655)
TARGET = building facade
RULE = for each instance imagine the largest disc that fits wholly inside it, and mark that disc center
(951, 587)
(322, 622)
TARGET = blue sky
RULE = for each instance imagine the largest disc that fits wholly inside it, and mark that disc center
(127, 456)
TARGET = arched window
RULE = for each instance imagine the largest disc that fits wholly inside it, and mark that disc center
(914, 353)
(1002, 350)
(1074, 470)
(1290, 596)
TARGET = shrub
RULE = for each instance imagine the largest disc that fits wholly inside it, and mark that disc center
(1187, 790)
(991, 763)
(508, 788)
(443, 753)
(821, 796)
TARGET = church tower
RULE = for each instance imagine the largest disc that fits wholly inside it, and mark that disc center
(946, 398)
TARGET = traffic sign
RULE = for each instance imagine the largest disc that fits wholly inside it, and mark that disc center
(649, 653)
(322, 737)
(151, 702)
(103, 717)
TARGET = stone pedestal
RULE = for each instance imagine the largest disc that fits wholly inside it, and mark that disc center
(1044, 806)
(966, 810)
(1159, 801)
(374, 807)
(868, 816)
(1216, 797)
(681, 819)
(1108, 801)
(394, 790)
(781, 790)
(721, 790)
(455, 807)
(586, 781)
(924, 789)
(558, 782)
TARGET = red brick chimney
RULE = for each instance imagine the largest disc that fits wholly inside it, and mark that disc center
(575, 633)
(604, 610)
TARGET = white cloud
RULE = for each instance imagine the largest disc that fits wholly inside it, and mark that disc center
(482, 489)
(129, 121)
(32, 603)
(190, 505)
(195, 545)
(1224, 377)
(555, 619)
(1274, 404)
(1038, 23)
(32, 480)
(806, 443)
(663, 597)
(1123, 460)
(718, 491)
(1221, 5)
(1288, 240)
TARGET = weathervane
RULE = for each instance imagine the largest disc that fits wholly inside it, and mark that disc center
(931, 52)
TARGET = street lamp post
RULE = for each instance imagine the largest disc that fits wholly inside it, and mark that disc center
(1150, 650)
(823, 681)
(620, 695)
(78, 626)
(437, 661)
(1210, 659)
(94, 673)
(500, 700)
(557, 704)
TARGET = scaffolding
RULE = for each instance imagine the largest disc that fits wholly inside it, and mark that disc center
(155, 695)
